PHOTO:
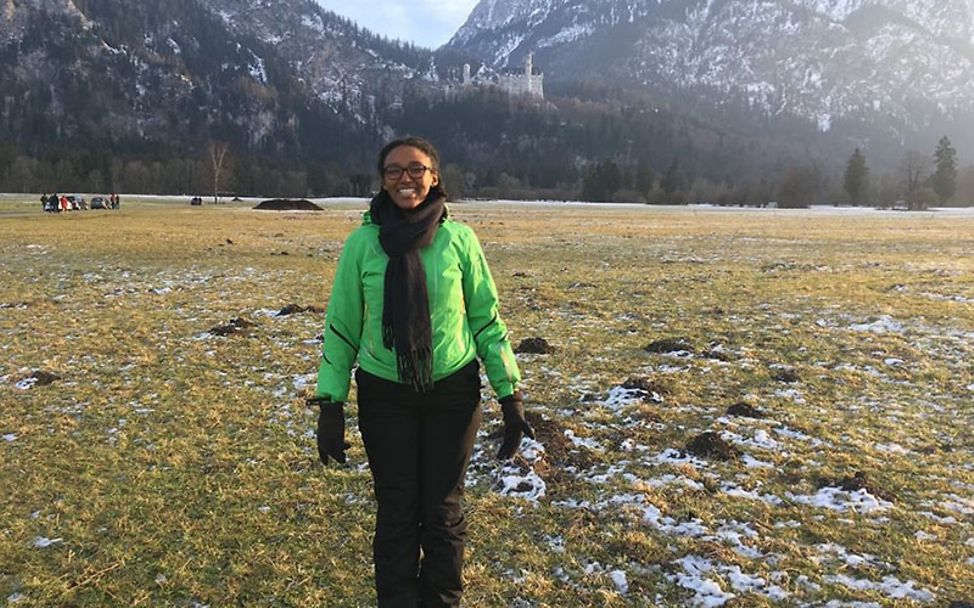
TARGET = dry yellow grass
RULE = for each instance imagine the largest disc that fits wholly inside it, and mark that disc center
(169, 467)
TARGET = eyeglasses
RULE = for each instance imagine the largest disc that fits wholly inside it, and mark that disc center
(394, 172)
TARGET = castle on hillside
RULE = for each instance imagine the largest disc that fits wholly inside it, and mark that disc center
(515, 83)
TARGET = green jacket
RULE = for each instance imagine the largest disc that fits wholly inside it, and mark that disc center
(463, 312)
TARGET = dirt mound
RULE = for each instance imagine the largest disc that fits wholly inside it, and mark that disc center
(538, 346)
(718, 355)
(651, 391)
(288, 204)
(670, 345)
(855, 482)
(711, 445)
(293, 309)
(786, 375)
(234, 326)
(42, 378)
(745, 410)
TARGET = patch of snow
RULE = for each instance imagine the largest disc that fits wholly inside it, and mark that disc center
(672, 480)
(9, 437)
(760, 440)
(527, 485)
(792, 434)
(753, 463)
(836, 499)
(944, 521)
(791, 393)
(42, 542)
(891, 448)
(303, 381)
(582, 442)
(619, 397)
(26, 383)
(890, 586)
(959, 504)
(619, 579)
(707, 593)
(676, 457)
(731, 489)
(885, 324)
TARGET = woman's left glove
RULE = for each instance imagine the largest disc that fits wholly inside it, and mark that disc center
(331, 430)
(515, 426)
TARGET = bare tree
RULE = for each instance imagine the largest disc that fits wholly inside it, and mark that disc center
(217, 154)
(913, 172)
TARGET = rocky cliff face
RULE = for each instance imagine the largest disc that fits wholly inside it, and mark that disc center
(900, 65)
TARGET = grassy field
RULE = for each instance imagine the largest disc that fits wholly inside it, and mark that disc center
(168, 466)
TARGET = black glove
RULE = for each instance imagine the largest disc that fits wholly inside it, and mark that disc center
(331, 430)
(515, 426)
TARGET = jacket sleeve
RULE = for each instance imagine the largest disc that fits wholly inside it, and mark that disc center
(343, 326)
(489, 331)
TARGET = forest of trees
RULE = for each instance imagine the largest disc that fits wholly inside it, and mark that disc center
(572, 147)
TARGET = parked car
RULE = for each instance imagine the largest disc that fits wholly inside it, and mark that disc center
(99, 202)
(77, 202)
(196, 200)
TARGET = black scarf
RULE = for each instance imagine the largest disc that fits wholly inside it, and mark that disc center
(405, 306)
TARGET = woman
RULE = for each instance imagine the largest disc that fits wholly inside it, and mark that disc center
(414, 303)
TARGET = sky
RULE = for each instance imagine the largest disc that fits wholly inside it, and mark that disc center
(427, 23)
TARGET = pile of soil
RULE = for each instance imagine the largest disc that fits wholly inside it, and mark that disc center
(710, 444)
(44, 378)
(745, 410)
(650, 390)
(293, 309)
(786, 375)
(235, 325)
(288, 204)
(538, 346)
(670, 345)
(855, 482)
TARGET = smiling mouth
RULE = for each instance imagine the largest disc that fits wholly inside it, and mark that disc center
(406, 191)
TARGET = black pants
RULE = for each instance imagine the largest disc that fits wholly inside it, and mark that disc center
(419, 446)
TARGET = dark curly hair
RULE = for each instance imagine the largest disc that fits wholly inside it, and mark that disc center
(413, 142)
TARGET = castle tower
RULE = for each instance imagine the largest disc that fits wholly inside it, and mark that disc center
(529, 65)
(466, 74)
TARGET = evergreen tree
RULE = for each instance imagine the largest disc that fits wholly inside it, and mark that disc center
(643, 181)
(673, 179)
(944, 179)
(856, 180)
(601, 181)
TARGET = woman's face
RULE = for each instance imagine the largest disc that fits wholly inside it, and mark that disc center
(416, 176)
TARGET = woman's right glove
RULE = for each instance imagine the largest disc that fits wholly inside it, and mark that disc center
(515, 426)
(331, 430)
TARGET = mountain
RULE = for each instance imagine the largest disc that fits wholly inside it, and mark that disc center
(720, 97)
(275, 78)
(896, 71)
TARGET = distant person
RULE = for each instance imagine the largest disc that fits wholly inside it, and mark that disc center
(53, 203)
(64, 203)
(44, 202)
(414, 303)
